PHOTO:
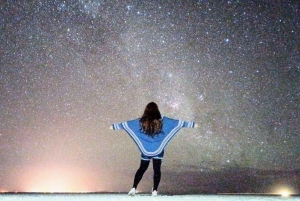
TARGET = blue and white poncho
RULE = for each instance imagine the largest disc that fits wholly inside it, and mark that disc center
(152, 146)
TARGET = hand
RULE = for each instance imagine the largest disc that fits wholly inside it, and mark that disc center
(110, 128)
(196, 126)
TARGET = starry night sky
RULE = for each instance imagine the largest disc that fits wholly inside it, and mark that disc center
(69, 69)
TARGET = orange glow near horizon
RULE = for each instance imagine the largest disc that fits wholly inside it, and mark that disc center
(3, 191)
(54, 178)
(284, 191)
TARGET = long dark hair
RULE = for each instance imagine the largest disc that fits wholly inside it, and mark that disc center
(151, 122)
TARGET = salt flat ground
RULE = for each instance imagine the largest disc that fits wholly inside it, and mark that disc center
(141, 197)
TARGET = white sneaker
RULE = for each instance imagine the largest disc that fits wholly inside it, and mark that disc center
(132, 192)
(154, 193)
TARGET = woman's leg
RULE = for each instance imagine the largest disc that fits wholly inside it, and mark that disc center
(140, 172)
(157, 173)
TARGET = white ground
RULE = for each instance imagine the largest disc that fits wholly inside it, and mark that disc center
(124, 197)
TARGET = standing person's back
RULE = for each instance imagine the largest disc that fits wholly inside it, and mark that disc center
(151, 133)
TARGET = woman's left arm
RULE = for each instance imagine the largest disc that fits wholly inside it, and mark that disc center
(190, 124)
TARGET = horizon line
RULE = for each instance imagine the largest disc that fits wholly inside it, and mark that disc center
(115, 192)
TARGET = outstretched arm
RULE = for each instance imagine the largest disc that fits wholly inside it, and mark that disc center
(189, 124)
(117, 126)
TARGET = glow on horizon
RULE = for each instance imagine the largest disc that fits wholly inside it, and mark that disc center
(284, 191)
(285, 194)
(58, 179)
(2, 190)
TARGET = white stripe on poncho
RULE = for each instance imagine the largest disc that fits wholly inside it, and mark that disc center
(152, 146)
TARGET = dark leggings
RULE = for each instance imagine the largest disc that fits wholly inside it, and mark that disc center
(142, 169)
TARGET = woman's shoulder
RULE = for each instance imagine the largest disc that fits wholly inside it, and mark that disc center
(133, 124)
(168, 119)
(134, 120)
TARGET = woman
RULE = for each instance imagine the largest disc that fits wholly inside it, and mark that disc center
(151, 133)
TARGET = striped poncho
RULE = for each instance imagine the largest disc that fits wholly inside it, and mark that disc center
(152, 146)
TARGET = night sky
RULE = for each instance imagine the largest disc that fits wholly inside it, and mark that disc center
(69, 69)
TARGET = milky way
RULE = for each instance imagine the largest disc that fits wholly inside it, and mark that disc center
(69, 69)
